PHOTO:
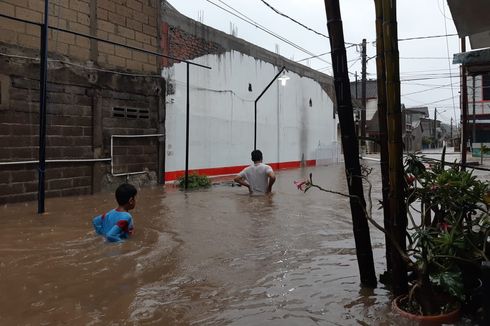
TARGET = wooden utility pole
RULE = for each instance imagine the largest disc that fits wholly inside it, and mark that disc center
(464, 108)
(435, 128)
(383, 127)
(349, 144)
(395, 144)
(363, 94)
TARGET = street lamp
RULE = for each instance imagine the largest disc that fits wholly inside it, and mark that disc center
(283, 80)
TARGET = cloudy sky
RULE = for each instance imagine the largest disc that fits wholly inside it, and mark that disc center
(427, 74)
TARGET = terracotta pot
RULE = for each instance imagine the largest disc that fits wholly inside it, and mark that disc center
(435, 320)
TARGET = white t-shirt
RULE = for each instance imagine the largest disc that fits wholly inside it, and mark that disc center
(257, 176)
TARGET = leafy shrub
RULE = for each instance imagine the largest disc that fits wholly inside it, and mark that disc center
(196, 181)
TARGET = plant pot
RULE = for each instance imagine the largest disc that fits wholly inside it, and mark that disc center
(434, 320)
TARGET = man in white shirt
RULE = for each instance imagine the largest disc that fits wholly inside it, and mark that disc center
(258, 177)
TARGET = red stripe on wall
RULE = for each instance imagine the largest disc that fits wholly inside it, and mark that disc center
(227, 170)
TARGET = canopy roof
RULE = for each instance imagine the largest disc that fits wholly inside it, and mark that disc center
(471, 18)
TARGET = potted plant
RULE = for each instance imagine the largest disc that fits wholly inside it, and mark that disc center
(447, 237)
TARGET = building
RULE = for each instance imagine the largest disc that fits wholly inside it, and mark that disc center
(296, 122)
(372, 122)
(476, 27)
(414, 130)
(116, 113)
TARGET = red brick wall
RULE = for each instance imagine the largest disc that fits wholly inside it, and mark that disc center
(180, 44)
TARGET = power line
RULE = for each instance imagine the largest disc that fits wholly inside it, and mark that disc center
(426, 90)
(298, 22)
(294, 20)
(322, 54)
(447, 48)
(250, 21)
(425, 37)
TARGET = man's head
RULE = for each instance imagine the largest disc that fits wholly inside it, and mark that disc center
(256, 155)
(126, 196)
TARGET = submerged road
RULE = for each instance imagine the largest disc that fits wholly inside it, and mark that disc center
(210, 257)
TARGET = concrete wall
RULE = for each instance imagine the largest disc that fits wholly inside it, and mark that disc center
(130, 22)
(222, 115)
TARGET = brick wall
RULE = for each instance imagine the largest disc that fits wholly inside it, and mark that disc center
(80, 123)
(130, 22)
(179, 44)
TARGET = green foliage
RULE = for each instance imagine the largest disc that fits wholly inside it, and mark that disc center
(454, 224)
(196, 181)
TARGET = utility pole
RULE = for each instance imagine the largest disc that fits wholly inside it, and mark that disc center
(395, 145)
(473, 136)
(363, 94)
(464, 108)
(451, 132)
(383, 129)
(350, 146)
(435, 128)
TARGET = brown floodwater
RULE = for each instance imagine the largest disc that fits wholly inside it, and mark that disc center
(210, 257)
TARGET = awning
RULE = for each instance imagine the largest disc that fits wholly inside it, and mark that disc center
(471, 18)
(476, 62)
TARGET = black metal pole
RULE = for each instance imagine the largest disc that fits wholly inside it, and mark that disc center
(258, 98)
(464, 108)
(187, 133)
(43, 81)
(255, 125)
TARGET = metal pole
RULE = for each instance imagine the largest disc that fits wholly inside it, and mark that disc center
(187, 133)
(255, 125)
(43, 81)
(258, 98)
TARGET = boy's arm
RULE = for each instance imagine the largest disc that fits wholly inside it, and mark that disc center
(119, 230)
(97, 223)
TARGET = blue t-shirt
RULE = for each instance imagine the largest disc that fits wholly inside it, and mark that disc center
(114, 225)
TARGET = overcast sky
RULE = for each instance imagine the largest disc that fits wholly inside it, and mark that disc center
(425, 65)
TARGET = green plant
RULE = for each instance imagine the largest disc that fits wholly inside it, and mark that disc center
(195, 181)
(448, 233)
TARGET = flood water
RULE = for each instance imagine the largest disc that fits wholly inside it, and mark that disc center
(211, 257)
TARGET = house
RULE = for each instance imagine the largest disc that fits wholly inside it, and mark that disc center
(413, 132)
(471, 23)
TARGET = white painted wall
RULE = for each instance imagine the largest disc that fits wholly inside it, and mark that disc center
(222, 114)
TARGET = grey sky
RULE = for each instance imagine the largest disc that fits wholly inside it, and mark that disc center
(424, 64)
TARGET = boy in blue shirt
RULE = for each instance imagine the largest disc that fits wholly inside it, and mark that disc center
(117, 224)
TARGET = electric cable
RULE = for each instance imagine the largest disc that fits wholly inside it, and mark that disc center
(250, 21)
(448, 60)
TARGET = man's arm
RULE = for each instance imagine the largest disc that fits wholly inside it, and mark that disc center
(242, 181)
(272, 179)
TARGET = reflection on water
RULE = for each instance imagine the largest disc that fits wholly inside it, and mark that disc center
(213, 257)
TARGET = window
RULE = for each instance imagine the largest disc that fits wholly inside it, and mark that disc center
(486, 87)
(130, 113)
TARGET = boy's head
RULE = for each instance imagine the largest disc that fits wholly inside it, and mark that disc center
(256, 155)
(125, 196)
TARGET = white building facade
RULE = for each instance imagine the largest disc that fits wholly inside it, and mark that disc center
(296, 122)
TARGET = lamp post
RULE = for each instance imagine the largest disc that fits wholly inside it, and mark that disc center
(283, 83)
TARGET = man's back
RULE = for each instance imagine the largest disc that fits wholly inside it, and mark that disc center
(257, 175)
